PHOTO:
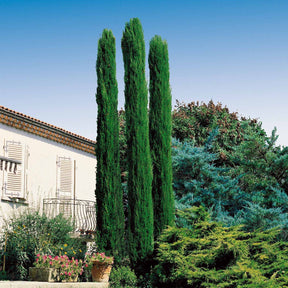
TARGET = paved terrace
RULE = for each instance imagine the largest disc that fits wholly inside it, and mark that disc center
(34, 284)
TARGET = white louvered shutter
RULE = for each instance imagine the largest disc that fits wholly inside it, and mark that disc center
(64, 177)
(64, 190)
(14, 183)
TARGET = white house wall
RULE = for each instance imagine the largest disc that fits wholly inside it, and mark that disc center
(42, 170)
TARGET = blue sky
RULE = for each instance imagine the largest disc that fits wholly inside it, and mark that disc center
(234, 52)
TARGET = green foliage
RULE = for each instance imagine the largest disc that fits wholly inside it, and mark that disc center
(258, 159)
(232, 168)
(109, 198)
(198, 181)
(144, 281)
(140, 208)
(32, 233)
(160, 135)
(195, 121)
(122, 145)
(209, 255)
(3, 275)
(257, 217)
(123, 277)
(241, 144)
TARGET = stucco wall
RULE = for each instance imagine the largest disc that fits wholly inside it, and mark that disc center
(42, 170)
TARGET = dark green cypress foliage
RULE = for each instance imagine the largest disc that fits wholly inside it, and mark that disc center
(160, 126)
(140, 205)
(109, 196)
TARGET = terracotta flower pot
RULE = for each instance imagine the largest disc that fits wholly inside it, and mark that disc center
(101, 271)
(44, 274)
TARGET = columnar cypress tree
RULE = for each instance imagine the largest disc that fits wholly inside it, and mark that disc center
(109, 196)
(140, 210)
(160, 125)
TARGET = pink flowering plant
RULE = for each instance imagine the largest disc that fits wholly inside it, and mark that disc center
(97, 257)
(43, 261)
(71, 268)
(68, 268)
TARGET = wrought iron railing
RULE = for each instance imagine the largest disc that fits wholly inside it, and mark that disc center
(81, 212)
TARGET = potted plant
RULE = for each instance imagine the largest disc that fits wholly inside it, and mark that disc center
(69, 269)
(58, 268)
(43, 270)
(100, 266)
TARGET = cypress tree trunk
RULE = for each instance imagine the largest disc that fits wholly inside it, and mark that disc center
(109, 195)
(160, 129)
(140, 206)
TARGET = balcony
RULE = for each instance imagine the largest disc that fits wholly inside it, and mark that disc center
(9, 164)
(81, 212)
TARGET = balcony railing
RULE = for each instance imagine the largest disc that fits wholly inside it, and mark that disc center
(81, 212)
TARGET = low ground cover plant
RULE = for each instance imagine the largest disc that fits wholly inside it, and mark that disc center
(209, 255)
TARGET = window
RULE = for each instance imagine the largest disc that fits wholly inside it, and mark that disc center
(15, 184)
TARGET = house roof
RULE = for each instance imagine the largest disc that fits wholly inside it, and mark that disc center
(34, 126)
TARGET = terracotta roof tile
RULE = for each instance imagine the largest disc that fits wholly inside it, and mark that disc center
(32, 125)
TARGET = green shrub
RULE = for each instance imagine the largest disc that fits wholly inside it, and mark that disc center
(198, 181)
(31, 233)
(209, 255)
(3, 275)
(123, 277)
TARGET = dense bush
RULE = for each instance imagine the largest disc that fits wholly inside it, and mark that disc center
(209, 255)
(123, 276)
(240, 144)
(198, 181)
(31, 233)
(195, 121)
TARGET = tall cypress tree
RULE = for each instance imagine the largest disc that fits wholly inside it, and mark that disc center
(109, 196)
(140, 205)
(160, 129)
